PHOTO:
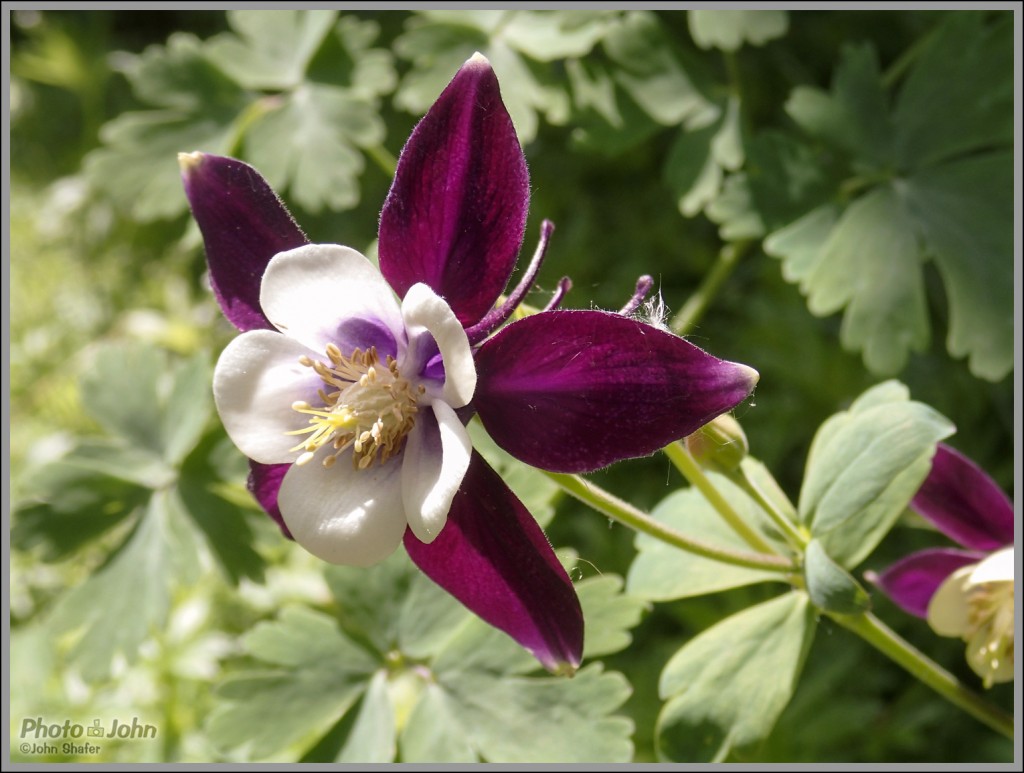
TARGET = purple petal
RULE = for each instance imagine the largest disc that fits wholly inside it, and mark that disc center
(265, 483)
(912, 581)
(493, 557)
(244, 224)
(456, 212)
(964, 503)
(574, 391)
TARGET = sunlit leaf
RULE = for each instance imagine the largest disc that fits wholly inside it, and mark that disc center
(864, 468)
(728, 30)
(726, 687)
(661, 572)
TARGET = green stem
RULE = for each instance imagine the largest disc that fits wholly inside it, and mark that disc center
(695, 306)
(890, 644)
(692, 471)
(793, 535)
(383, 158)
(610, 505)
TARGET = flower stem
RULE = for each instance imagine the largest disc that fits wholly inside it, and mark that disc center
(889, 643)
(695, 306)
(610, 505)
(383, 158)
(789, 530)
(691, 470)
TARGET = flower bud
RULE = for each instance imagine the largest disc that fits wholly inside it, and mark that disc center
(719, 445)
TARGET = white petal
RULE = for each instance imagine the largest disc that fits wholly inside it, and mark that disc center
(344, 515)
(257, 378)
(425, 311)
(311, 292)
(980, 659)
(436, 458)
(997, 567)
(948, 612)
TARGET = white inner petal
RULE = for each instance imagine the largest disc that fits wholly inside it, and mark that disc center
(257, 378)
(997, 567)
(425, 311)
(311, 291)
(343, 515)
(948, 610)
(437, 454)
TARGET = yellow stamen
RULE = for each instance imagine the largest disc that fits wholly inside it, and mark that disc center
(369, 408)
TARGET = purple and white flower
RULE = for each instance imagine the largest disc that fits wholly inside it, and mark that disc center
(349, 387)
(964, 593)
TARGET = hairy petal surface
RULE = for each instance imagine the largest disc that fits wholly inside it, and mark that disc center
(493, 557)
(912, 581)
(456, 212)
(964, 503)
(344, 515)
(244, 224)
(574, 391)
(325, 293)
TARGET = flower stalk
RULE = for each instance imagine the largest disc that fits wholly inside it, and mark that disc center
(610, 505)
(691, 470)
(889, 643)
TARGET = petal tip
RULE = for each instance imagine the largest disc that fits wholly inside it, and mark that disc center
(190, 162)
(750, 375)
(477, 60)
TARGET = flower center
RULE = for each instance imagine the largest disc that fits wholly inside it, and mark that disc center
(990, 626)
(365, 405)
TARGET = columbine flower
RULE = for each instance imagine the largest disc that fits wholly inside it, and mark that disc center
(963, 593)
(351, 404)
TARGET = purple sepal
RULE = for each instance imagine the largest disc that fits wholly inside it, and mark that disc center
(244, 224)
(912, 581)
(264, 483)
(456, 212)
(575, 391)
(493, 557)
(964, 503)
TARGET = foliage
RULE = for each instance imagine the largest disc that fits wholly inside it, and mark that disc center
(850, 163)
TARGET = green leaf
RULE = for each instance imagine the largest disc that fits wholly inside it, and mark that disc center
(959, 96)
(319, 675)
(114, 458)
(700, 157)
(831, 587)
(565, 720)
(886, 312)
(136, 393)
(800, 244)
(127, 599)
(432, 732)
(70, 506)
(726, 687)
(661, 572)
(864, 468)
(438, 42)
(370, 599)
(651, 74)
(855, 115)
(728, 30)
(449, 681)
(225, 528)
(372, 739)
(734, 211)
(271, 49)
(965, 212)
(609, 615)
(305, 142)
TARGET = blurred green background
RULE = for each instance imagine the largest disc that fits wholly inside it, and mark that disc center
(654, 141)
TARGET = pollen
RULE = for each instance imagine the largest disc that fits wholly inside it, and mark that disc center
(365, 405)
